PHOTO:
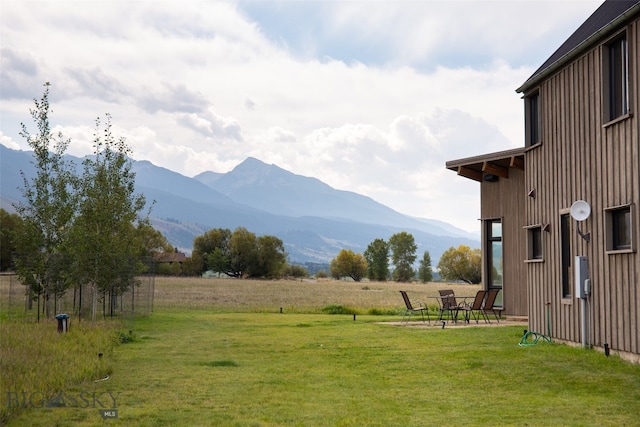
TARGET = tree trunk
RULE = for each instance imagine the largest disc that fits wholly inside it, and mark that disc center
(79, 302)
(94, 302)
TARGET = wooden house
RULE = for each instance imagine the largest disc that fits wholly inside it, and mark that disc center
(170, 257)
(581, 143)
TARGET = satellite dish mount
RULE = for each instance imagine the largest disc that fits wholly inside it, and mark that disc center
(580, 210)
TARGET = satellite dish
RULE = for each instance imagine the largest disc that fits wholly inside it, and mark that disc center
(580, 210)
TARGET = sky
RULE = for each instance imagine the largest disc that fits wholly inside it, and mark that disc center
(372, 97)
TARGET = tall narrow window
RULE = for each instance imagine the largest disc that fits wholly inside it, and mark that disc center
(494, 256)
(565, 253)
(532, 119)
(616, 73)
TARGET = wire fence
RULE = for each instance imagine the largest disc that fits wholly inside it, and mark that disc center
(79, 302)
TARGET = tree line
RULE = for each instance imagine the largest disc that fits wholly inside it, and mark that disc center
(373, 264)
(462, 263)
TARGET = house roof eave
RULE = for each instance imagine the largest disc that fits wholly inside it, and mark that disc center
(497, 163)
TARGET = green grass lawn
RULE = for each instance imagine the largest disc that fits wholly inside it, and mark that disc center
(202, 368)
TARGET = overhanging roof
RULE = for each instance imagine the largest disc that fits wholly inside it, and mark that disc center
(607, 17)
(497, 164)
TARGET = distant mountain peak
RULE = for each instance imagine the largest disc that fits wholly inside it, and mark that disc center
(251, 164)
(252, 172)
(314, 220)
(250, 161)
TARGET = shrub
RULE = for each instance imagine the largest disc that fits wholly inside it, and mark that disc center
(297, 271)
(338, 309)
(125, 338)
(383, 312)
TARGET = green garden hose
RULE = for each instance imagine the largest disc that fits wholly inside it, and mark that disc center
(532, 338)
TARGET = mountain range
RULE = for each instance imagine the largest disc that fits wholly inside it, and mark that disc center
(314, 220)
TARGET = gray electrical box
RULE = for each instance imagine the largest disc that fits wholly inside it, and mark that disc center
(583, 282)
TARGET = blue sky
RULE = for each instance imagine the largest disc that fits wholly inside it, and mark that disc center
(382, 33)
(368, 96)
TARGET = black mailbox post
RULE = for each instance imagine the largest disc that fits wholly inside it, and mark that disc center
(63, 323)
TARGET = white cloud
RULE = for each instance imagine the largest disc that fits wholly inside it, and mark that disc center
(372, 97)
(8, 142)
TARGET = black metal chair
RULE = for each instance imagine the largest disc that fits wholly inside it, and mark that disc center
(422, 308)
(475, 307)
(448, 304)
(490, 304)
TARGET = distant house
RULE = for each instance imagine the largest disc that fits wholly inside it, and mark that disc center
(170, 257)
(581, 142)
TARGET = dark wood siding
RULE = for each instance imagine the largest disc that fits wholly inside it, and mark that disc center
(582, 158)
(504, 199)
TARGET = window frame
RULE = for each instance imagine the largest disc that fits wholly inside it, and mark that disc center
(533, 119)
(616, 82)
(491, 239)
(566, 258)
(533, 231)
(612, 229)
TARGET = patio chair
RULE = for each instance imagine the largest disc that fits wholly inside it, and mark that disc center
(422, 308)
(448, 304)
(475, 307)
(490, 304)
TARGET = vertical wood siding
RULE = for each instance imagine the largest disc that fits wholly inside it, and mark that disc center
(581, 159)
(505, 199)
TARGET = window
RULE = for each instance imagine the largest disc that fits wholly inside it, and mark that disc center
(534, 243)
(532, 119)
(619, 229)
(615, 70)
(494, 256)
(565, 254)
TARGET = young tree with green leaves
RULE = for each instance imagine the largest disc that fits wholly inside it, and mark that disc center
(81, 230)
(403, 255)
(377, 256)
(425, 272)
(106, 241)
(47, 211)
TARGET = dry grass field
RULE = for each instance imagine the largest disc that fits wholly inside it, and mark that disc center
(12, 297)
(268, 296)
(293, 296)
